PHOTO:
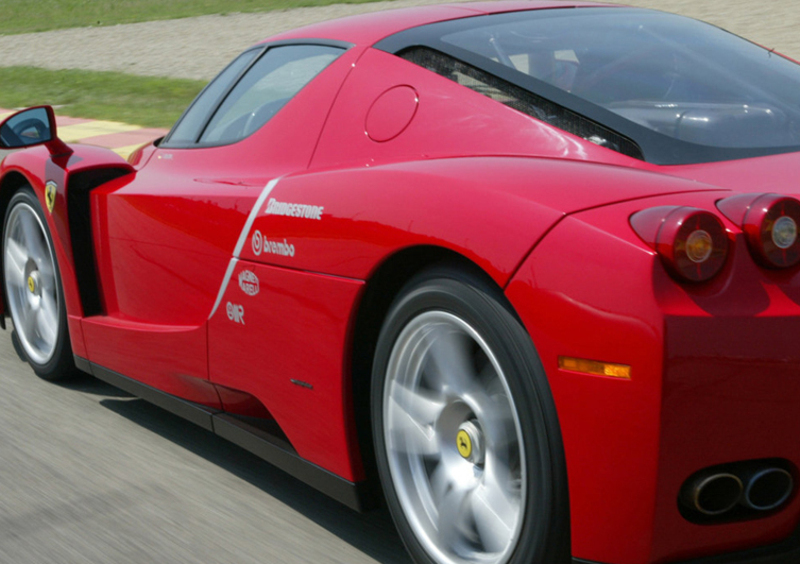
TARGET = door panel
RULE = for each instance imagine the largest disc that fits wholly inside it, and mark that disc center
(281, 335)
(165, 250)
(164, 239)
(163, 257)
(170, 358)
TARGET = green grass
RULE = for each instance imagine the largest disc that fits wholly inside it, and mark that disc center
(23, 16)
(145, 101)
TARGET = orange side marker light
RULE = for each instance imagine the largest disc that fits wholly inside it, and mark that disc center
(594, 367)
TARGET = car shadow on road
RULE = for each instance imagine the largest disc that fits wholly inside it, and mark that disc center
(372, 533)
(89, 385)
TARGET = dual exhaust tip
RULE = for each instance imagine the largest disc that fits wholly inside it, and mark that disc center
(739, 490)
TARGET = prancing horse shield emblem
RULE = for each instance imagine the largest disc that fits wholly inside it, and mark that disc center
(50, 195)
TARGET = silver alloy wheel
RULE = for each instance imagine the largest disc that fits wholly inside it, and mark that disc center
(30, 278)
(454, 441)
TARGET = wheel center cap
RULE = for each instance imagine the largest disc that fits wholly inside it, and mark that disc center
(469, 442)
(33, 285)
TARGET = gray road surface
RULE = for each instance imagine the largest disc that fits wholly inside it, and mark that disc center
(91, 475)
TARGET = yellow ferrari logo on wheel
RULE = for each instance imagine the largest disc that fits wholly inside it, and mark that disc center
(464, 444)
(50, 195)
(31, 284)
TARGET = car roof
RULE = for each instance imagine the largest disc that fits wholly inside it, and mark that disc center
(368, 29)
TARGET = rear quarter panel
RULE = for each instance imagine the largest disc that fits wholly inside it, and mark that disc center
(713, 374)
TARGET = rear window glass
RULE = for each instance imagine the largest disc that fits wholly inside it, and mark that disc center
(681, 90)
(680, 77)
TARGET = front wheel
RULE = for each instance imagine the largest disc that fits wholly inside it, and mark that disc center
(467, 441)
(33, 288)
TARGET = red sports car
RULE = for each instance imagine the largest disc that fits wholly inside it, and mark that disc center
(530, 268)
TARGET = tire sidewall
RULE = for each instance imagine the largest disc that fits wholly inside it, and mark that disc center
(61, 363)
(544, 528)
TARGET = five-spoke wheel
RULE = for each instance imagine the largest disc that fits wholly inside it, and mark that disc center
(467, 444)
(33, 289)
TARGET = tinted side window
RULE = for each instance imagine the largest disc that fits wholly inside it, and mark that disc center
(268, 85)
(188, 129)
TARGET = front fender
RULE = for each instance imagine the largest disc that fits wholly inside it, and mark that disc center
(72, 177)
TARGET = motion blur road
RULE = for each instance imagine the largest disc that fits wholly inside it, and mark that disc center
(89, 474)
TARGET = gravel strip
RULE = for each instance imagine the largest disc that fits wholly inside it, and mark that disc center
(199, 47)
(186, 48)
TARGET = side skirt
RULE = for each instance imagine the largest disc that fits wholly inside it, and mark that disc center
(245, 433)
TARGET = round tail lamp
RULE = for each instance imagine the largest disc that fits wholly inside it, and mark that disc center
(770, 224)
(692, 243)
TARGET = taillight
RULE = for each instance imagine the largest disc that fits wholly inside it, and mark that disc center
(691, 242)
(769, 222)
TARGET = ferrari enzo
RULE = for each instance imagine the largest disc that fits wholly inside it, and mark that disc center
(531, 269)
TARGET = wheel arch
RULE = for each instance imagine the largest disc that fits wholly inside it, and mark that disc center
(70, 226)
(382, 287)
(9, 185)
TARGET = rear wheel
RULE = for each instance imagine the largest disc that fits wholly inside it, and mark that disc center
(467, 441)
(33, 288)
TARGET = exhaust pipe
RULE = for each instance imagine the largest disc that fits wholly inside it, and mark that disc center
(766, 488)
(712, 494)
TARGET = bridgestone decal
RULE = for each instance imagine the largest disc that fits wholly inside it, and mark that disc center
(274, 207)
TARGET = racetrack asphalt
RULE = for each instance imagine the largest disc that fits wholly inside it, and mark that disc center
(90, 475)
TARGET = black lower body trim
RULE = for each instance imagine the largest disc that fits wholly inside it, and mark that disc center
(82, 364)
(264, 446)
(270, 447)
(785, 552)
(196, 413)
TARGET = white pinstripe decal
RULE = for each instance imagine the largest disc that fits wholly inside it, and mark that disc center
(242, 238)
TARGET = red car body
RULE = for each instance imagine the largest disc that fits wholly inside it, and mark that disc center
(181, 279)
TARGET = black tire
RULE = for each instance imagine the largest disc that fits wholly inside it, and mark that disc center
(33, 291)
(453, 363)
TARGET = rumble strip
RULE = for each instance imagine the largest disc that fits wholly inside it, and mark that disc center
(242, 238)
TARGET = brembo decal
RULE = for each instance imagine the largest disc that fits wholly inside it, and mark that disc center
(248, 282)
(261, 244)
(283, 248)
(235, 313)
(274, 207)
(257, 243)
